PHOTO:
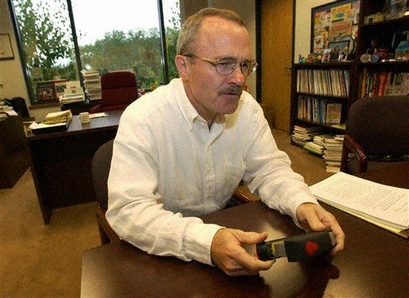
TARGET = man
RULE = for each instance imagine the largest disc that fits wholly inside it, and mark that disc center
(182, 150)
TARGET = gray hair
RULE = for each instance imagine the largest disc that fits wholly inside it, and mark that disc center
(191, 26)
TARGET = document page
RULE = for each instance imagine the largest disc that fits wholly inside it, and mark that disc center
(378, 202)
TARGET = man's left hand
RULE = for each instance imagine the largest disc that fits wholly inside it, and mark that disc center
(313, 217)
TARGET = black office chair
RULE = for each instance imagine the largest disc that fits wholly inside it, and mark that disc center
(101, 164)
(377, 132)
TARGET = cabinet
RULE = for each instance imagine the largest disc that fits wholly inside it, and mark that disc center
(14, 156)
(312, 92)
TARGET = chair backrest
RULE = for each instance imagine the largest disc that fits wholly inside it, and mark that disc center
(380, 125)
(101, 164)
(118, 90)
(19, 106)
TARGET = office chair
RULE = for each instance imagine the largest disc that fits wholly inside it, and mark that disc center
(377, 131)
(101, 164)
(118, 90)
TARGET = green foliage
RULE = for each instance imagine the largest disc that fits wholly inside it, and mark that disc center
(46, 44)
(137, 50)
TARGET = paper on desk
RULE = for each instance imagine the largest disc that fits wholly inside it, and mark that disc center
(11, 113)
(98, 115)
(380, 203)
(35, 125)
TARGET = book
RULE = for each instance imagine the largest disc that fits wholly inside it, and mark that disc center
(333, 113)
(383, 205)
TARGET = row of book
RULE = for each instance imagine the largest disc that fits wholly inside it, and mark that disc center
(313, 140)
(318, 110)
(329, 82)
(92, 84)
(382, 83)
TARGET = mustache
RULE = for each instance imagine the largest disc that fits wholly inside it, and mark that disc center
(231, 89)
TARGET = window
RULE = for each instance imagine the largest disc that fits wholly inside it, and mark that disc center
(108, 35)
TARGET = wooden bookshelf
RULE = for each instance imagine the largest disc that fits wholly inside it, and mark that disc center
(322, 94)
(311, 90)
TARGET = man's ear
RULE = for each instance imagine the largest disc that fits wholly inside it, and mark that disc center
(182, 66)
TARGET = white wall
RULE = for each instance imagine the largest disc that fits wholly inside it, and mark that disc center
(303, 26)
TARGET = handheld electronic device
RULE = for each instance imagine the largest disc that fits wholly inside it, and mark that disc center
(297, 248)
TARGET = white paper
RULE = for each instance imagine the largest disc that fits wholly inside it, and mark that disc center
(381, 202)
(36, 125)
(98, 115)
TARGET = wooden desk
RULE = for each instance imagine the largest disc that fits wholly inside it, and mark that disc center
(374, 263)
(61, 162)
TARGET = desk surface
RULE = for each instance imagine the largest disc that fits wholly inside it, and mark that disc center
(76, 127)
(374, 263)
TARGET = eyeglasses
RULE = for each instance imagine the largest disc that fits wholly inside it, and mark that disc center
(226, 66)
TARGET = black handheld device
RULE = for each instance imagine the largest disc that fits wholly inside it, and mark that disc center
(297, 248)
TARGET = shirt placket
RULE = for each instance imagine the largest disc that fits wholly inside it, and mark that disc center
(210, 174)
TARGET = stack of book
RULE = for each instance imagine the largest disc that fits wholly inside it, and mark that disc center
(317, 145)
(92, 84)
(303, 134)
(333, 152)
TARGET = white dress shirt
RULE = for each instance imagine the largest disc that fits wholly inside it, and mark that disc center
(168, 168)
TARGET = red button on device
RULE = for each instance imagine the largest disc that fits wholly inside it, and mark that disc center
(311, 248)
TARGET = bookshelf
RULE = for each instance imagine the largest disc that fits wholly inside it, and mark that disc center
(322, 92)
(314, 89)
(390, 74)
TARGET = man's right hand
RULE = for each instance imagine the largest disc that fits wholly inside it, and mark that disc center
(229, 255)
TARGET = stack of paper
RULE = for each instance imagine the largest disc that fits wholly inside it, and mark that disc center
(53, 122)
(383, 205)
(72, 93)
(58, 117)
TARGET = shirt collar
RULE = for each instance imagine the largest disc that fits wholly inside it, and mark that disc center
(189, 112)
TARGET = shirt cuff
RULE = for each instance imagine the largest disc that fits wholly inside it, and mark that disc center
(198, 242)
(296, 202)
